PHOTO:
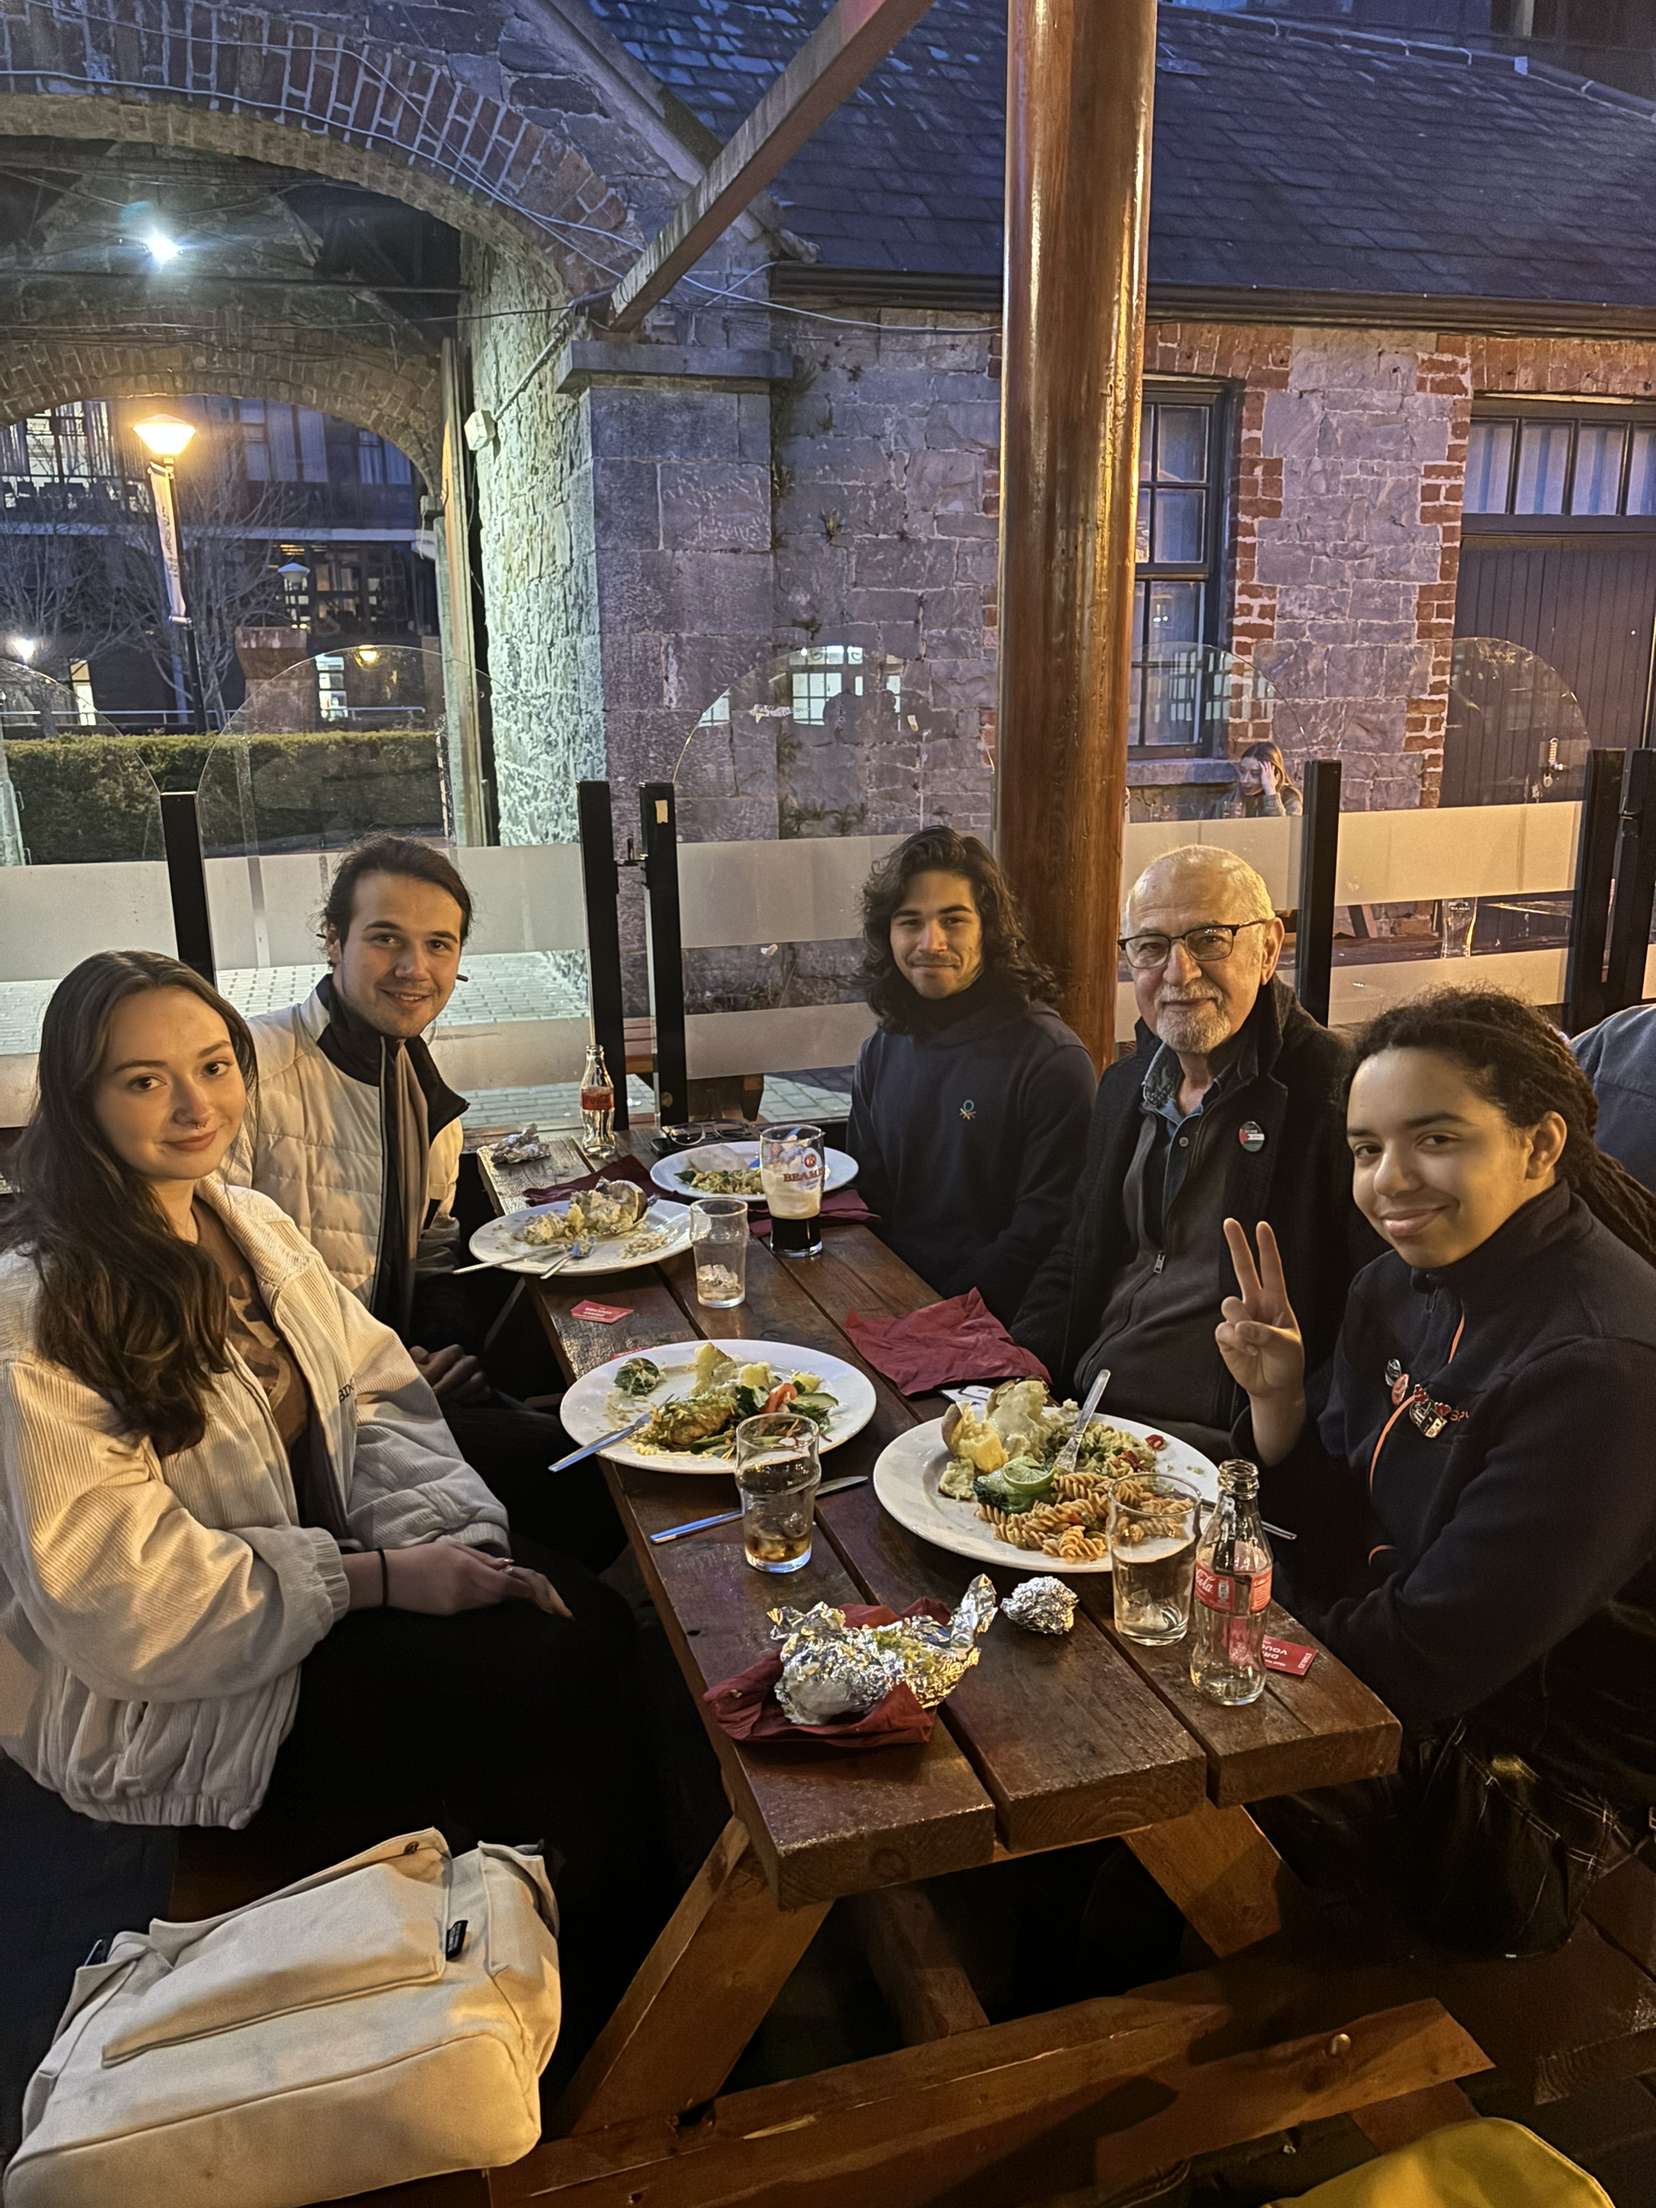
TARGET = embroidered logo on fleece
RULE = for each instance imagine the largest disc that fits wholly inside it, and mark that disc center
(968, 1110)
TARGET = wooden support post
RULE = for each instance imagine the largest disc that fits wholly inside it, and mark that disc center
(700, 1995)
(1221, 1870)
(915, 1964)
(1080, 78)
(852, 39)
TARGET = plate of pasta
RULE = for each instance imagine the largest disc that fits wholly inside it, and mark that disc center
(982, 1483)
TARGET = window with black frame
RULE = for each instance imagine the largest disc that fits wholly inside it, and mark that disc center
(1178, 531)
(1596, 463)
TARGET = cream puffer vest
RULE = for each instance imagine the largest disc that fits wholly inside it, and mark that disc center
(313, 1142)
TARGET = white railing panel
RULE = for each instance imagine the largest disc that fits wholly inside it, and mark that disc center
(1458, 851)
(51, 917)
(1358, 992)
(510, 1054)
(782, 1039)
(1270, 846)
(528, 896)
(804, 889)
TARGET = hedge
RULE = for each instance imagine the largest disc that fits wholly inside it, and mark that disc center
(86, 798)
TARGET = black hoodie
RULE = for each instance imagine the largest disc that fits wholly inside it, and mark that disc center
(1477, 1509)
(968, 1134)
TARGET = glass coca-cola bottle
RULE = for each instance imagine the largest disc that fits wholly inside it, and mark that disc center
(1233, 1591)
(597, 1102)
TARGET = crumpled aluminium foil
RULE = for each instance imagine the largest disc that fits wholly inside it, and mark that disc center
(833, 1670)
(1042, 1605)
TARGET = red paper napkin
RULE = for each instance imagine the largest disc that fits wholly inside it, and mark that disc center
(747, 1709)
(947, 1343)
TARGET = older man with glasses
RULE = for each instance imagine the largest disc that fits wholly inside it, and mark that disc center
(1231, 1106)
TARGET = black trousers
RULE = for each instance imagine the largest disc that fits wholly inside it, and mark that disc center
(510, 1446)
(501, 1724)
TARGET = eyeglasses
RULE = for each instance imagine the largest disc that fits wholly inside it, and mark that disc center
(1209, 945)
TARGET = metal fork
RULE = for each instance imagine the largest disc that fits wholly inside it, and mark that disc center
(1070, 1455)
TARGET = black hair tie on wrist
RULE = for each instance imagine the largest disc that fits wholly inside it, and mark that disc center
(385, 1580)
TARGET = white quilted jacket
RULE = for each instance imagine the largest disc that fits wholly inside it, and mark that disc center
(154, 1613)
(312, 1142)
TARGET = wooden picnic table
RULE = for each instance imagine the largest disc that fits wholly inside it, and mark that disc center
(1046, 1744)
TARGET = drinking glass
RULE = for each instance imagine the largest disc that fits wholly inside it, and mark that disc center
(719, 1240)
(1153, 1527)
(777, 1470)
(1459, 913)
(793, 1170)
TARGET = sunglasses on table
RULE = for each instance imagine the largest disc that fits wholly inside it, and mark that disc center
(1209, 945)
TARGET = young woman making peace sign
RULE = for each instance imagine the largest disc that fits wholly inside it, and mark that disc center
(1475, 1499)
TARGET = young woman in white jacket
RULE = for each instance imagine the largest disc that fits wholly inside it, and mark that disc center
(246, 1580)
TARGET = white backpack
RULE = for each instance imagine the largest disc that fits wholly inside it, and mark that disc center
(384, 2020)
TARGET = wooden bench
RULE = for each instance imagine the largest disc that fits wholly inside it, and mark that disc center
(722, 1096)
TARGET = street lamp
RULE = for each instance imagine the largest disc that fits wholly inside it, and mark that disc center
(23, 648)
(165, 437)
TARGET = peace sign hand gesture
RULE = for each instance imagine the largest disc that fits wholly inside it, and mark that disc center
(1258, 1334)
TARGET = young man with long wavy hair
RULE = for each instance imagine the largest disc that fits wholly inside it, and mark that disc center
(970, 1101)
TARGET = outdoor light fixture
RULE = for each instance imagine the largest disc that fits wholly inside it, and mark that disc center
(164, 435)
(23, 648)
(162, 248)
(368, 655)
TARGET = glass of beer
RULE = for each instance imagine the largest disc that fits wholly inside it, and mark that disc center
(793, 1170)
(1153, 1527)
(777, 1470)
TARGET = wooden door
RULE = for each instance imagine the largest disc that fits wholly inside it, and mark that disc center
(1585, 606)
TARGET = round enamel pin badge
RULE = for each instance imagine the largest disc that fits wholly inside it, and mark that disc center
(1251, 1135)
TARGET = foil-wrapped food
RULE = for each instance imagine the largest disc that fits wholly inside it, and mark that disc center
(832, 1670)
(1045, 1604)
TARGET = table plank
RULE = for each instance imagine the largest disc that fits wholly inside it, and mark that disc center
(1070, 1744)
(821, 1826)
(1317, 1731)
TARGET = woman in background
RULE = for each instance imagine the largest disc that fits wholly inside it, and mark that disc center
(1267, 789)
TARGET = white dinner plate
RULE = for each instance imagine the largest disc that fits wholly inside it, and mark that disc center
(909, 1468)
(668, 1173)
(587, 1413)
(493, 1240)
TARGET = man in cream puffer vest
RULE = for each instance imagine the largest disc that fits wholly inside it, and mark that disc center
(355, 1134)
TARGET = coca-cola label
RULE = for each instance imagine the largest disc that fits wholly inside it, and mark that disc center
(597, 1100)
(1247, 1591)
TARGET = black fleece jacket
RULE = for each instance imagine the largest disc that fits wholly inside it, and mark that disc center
(1477, 1505)
(1299, 1179)
(967, 1134)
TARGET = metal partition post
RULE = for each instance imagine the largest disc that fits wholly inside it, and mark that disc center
(1635, 884)
(187, 880)
(600, 887)
(1590, 910)
(659, 843)
(1319, 859)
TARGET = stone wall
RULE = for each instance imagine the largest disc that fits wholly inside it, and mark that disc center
(539, 554)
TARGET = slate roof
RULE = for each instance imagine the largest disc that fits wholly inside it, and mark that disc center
(1286, 155)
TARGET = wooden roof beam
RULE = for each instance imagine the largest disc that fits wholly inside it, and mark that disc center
(847, 45)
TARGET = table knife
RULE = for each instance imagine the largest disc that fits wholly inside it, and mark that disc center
(604, 1441)
(728, 1517)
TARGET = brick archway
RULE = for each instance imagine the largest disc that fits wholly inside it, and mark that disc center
(398, 400)
(280, 89)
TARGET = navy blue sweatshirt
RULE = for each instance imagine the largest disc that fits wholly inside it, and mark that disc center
(1485, 1536)
(969, 1135)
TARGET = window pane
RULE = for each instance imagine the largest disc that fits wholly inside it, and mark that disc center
(1597, 488)
(1175, 618)
(313, 444)
(1147, 443)
(1142, 551)
(1179, 526)
(1641, 482)
(1543, 449)
(1488, 467)
(397, 469)
(1181, 444)
(284, 466)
